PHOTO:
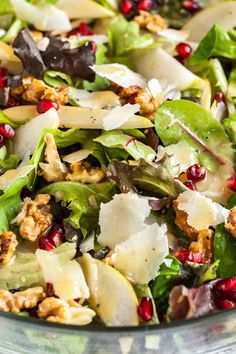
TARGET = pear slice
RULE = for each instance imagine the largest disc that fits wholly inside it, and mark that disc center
(223, 13)
(111, 295)
(157, 63)
(9, 60)
(76, 117)
(83, 9)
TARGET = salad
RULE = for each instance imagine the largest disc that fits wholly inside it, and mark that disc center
(117, 160)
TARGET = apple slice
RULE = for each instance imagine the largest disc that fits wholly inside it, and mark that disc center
(86, 9)
(111, 295)
(76, 117)
(224, 14)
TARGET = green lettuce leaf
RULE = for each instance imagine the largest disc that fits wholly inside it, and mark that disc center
(217, 42)
(25, 270)
(117, 139)
(83, 201)
(224, 250)
(184, 120)
(125, 36)
(230, 127)
(6, 7)
(56, 78)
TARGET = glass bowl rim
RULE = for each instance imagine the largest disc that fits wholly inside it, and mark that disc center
(104, 329)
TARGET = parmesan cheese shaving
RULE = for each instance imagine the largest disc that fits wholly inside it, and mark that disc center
(119, 115)
(120, 75)
(201, 212)
(11, 176)
(99, 99)
(77, 156)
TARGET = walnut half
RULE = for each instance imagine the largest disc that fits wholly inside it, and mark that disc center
(35, 217)
(84, 172)
(67, 312)
(8, 244)
(152, 22)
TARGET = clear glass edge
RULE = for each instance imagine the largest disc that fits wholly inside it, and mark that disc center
(101, 328)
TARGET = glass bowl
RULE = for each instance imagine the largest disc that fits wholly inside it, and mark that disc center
(214, 334)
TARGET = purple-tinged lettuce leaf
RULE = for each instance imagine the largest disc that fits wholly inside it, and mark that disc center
(191, 303)
(74, 62)
(26, 49)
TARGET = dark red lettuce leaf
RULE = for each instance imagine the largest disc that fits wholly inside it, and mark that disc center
(74, 62)
(190, 303)
(26, 49)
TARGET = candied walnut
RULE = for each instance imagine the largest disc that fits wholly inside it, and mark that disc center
(230, 226)
(84, 172)
(152, 22)
(33, 90)
(54, 170)
(20, 300)
(35, 217)
(203, 245)
(148, 104)
(67, 312)
(181, 222)
(8, 244)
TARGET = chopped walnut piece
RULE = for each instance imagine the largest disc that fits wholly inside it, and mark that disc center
(84, 172)
(54, 170)
(148, 104)
(20, 300)
(8, 244)
(67, 312)
(33, 90)
(181, 222)
(152, 22)
(230, 226)
(35, 217)
(203, 245)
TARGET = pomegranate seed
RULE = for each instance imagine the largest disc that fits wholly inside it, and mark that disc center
(84, 29)
(49, 290)
(184, 50)
(3, 77)
(145, 5)
(190, 185)
(94, 46)
(12, 102)
(78, 299)
(196, 173)
(224, 304)
(7, 131)
(231, 183)
(226, 288)
(46, 244)
(1, 140)
(45, 105)
(56, 235)
(219, 97)
(145, 309)
(188, 256)
(126, 6)
(191, 5)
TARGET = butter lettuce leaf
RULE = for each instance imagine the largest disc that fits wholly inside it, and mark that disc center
(218, 43)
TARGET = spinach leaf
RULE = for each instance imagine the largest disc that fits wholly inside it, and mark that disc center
(184, 120)
(217, 42)
(224, 250)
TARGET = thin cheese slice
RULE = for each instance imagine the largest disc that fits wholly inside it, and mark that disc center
(201, 211)
(119, 115)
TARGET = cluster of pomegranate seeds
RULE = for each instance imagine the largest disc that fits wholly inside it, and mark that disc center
(44, 106)
(219, 97)
(3, 77)
(190, 185)
(184, 255)
(196, 173)
(145, 309)
(54, 238)
(191, 5)
(130, 8)
(225, 293)
(184, 50)
(231, 183)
